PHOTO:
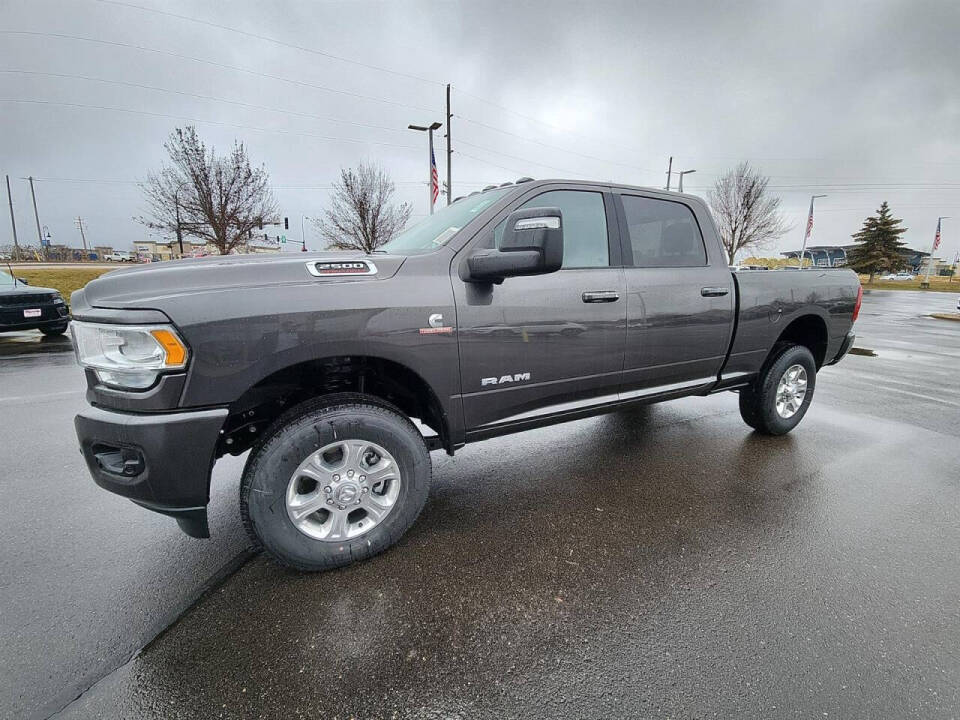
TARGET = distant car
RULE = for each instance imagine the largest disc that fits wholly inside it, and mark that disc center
(958, 304)
(23, 307)
(120, 256)
(898, 276)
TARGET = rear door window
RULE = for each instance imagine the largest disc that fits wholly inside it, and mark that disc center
(663, 233)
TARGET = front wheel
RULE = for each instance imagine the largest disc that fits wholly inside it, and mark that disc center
(335, 480)
(781, 395)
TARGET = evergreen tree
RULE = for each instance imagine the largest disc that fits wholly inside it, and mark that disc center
(878, 248)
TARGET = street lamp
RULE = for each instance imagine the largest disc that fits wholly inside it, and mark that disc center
(806, 233)
(682, 173)
(303, 233)
(430, 161)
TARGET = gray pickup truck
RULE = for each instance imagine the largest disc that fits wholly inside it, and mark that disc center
(526, 304)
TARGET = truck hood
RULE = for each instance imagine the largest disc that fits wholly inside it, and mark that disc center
(140, 285)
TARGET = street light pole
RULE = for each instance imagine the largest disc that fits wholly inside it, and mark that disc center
(303, 233)
(430, 160)
(682, 173)
(806, 232)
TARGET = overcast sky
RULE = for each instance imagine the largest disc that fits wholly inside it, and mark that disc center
(855, 100)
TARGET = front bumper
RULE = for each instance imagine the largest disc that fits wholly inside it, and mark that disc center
(12, 319)
(160, 461)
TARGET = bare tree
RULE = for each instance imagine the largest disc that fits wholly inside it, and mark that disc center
(746, 215)
(361, 216)
(220, 200)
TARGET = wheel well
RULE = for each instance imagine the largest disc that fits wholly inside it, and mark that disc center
(810, 331)
(389, 381)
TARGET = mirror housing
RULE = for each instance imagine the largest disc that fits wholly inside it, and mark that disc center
(532, 244)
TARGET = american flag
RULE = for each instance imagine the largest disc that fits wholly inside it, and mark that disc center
(434, 179)
(936, 238)
(809, 221)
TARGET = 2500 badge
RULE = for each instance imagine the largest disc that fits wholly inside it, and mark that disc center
(346, 267)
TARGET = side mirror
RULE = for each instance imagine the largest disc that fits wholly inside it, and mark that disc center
(532, 244)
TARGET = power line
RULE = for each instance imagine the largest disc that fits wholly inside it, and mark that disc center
(516, 157)
(552, 147)
(238, 103)
(267, 38)
(222, 66)
(148, 113)
(532, 119)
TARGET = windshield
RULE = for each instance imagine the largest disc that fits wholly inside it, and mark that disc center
(438, 228)
(6, 279)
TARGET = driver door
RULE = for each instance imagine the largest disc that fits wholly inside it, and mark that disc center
(546, 344)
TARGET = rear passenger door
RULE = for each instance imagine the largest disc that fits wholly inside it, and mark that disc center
(680, 303)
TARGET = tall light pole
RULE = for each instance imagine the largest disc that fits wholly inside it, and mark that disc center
(682, 173)
(806, 232)
(430, 160)
(303, 233)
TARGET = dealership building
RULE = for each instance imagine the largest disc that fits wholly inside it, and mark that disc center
(836, 255)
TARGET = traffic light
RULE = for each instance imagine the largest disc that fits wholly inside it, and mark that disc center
(286, 223)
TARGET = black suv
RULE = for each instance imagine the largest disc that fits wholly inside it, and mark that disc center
(31, 308)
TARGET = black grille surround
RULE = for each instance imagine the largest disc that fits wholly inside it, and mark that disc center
(27, 299)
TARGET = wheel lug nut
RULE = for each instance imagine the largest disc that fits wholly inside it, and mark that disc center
(340, 506)
(336, 478)
(327, 489)
(364, 490)
(349, 473)
(329, 502)
(363, 478)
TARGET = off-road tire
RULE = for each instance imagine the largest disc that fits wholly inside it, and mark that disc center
(758, 403)
(304, 429)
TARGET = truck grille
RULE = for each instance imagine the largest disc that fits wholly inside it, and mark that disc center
(31, 299)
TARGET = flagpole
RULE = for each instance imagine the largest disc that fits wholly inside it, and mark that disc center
(933, 249)
(806, 233)
(430, 179)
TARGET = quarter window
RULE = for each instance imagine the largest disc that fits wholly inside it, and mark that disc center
(663, 233)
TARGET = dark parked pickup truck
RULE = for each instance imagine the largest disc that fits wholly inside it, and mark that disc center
(524, 305)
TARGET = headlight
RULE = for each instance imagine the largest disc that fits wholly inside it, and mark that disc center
(128, 356)
(57, 299)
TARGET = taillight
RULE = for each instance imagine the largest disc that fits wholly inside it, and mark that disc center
(856, 308)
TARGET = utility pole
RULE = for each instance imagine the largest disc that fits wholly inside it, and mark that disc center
(682, 173)
(36, 215)
(669, 171)
(13, 223)
(449, 151)
(82, 236)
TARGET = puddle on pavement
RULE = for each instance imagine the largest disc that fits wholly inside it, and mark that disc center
(29, 343)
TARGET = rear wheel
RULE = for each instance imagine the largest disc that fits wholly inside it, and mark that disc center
(335, 480)
(781, 395)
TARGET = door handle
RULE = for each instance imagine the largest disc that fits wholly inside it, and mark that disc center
(600, 296)
(714, 291)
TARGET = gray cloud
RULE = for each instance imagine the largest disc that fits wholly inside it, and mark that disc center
(855, 97)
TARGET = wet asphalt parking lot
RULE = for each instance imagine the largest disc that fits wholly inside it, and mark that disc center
(659, 562)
